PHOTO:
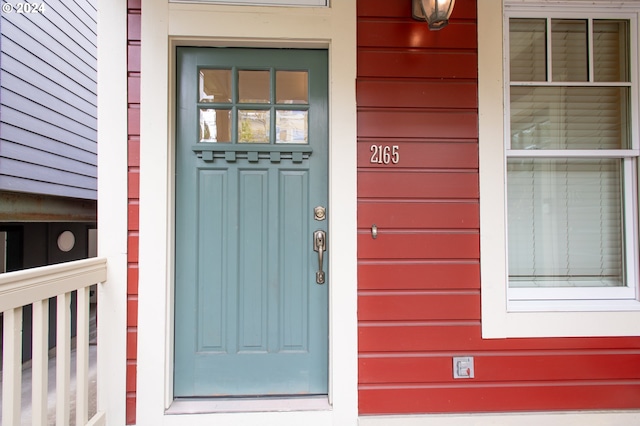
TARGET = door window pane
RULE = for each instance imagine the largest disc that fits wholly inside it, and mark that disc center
(215, 125)
(292, 126)
(256, 108)
(564, 223)
(215, 86)
(569, 50)
(569, 117)
(254, 126)
(292, 87)
(254, 87)
(610, 50)
(527, 46)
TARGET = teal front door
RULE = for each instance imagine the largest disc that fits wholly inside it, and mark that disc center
(251, 271)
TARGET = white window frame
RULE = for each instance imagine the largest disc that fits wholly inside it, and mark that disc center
(577, 298)
(530, 312)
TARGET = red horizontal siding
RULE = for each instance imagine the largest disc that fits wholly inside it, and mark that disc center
(134, 26)
(417, 124)
(411, 34)
(418, 214)
(418, 306)
(416, 90)
(417, 94)
(465, 336)
(133, 241)
(483, 398)
(430, 155)
(133, 89)
(132, 311)
(496, 367)
(440, 245)
(132, 345)
(404, 275)
(134, 184)
(131, 408)
(133, 152)
(419, 280)
(131, 372)
(417, 64)
(133, 57)
(464, 9)
(417, 184)
(133, 117)
(133, 217)
(134, 19)
(132, 279)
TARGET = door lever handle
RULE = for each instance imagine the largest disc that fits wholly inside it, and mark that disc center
(320, 245)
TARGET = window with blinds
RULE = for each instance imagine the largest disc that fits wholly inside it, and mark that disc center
(570, 159)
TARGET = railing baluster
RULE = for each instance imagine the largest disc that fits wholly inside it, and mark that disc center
(63, 358)
(40, 363)
(82, 357)
(35, 286)
(12, 367)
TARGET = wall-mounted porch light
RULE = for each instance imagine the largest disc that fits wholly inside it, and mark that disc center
(435, 12)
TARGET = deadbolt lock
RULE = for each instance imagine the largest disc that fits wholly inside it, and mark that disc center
(319, 213)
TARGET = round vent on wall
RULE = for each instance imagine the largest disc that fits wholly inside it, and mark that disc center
(66, 241)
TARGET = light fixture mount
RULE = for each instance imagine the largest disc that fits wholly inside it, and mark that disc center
(435, 12)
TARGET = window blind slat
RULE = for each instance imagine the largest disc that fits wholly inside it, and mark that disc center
(569, 60)
(564, 220)
(528, 50)
(568, 117)
(610, 50)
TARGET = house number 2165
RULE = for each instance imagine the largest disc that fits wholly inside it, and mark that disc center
(385, 154)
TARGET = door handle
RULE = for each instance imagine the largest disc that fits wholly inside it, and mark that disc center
(320, 245)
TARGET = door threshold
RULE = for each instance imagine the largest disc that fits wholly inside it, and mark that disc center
(249, 404)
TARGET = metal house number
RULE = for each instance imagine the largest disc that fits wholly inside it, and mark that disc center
(385, 154)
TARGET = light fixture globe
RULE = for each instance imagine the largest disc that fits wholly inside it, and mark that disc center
(435, 12)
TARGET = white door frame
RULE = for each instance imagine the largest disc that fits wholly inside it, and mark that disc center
(165, 26)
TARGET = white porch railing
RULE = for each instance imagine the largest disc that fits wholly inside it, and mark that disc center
(35, 287)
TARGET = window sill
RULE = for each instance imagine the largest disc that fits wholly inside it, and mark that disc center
(546, 306)
(500, 325)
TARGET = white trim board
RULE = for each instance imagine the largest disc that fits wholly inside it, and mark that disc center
(497, 320)
(165, 26)
(112, 207)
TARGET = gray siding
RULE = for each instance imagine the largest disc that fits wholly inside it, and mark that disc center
(48, 99)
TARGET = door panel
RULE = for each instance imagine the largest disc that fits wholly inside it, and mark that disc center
(211, 309)
(249, 317)
(294, 299)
